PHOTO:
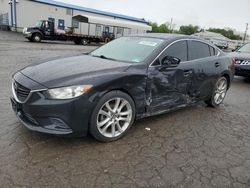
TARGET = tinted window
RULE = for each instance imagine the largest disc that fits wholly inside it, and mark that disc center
(212, 51)
(197, 50)
(245, 48)
(178, 49)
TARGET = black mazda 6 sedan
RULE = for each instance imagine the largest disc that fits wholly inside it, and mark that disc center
(242, 58)
(105, 91)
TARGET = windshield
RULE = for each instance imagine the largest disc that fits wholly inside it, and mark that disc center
(39, 24)
(128, 49)
(245, 48)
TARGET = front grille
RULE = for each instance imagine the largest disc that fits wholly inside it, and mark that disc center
(242, 62)
(244, 71)
(29, 118)
(21, 92)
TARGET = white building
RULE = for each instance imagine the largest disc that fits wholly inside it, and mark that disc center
(218, 39)
(26, 13)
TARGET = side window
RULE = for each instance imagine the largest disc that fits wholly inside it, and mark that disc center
(197, 50)
(61, 24)
(216, 51)
(106, 29)
(178, 49)
(212, 51)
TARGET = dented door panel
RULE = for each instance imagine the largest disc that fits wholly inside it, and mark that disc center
(167, 88)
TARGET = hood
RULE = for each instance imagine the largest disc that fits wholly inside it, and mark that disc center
(32, 28)
(69, 71)
(240, 55)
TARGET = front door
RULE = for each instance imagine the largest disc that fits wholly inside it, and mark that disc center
(167, 87)
(47, 28)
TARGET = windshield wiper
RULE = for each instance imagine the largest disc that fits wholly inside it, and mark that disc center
(104, 57)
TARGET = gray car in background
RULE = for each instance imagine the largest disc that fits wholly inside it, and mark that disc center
(242, 57)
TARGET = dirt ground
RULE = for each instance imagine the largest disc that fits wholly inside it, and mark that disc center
(194, 147)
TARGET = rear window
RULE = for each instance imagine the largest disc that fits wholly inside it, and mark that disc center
(212, 51)
(198, 50)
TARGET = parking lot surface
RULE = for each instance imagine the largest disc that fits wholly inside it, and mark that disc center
(194, 147)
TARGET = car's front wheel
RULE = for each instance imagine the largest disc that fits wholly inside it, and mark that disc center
(112, 117)
(36, 37)
(219, 92)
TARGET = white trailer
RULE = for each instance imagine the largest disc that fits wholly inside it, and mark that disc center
(26, 13)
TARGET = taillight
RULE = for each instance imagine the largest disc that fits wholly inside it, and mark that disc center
(233, 61)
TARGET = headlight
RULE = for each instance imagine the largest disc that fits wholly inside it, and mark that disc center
(25, 30)
(68, 92)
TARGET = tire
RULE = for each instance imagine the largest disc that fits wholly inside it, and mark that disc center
(36, 37)
(106, 125)
(84, 42)
(77, 41)
(219, 92)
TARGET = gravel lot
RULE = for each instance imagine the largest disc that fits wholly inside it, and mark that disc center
(194, 147)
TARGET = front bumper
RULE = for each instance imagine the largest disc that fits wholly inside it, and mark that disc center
(58, 117)
(44, 125)
(242, 70)
(27, 34)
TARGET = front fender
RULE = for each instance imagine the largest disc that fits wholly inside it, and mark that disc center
(132, 84)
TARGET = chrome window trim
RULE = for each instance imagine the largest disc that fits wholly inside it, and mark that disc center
(179, 40)
(31, 91)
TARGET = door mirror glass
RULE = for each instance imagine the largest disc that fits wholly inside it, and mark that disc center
(170, 61)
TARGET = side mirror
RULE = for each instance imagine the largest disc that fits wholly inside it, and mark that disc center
(170, 61)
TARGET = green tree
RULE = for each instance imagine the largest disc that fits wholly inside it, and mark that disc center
(189, 29)
(163, 28)
(154, 27)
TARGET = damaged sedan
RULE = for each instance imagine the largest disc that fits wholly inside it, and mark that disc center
(105, 91)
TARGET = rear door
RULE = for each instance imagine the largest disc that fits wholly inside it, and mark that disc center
(204, 64)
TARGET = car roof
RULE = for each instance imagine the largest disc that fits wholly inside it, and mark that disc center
(170, 37)
(165, 36)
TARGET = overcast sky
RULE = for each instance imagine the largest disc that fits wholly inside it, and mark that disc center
(205, 13)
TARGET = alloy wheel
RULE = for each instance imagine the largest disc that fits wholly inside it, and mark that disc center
(114, 117)
(221, 90)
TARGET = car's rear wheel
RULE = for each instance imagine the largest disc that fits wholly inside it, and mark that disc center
(112, 117)
(219, 92)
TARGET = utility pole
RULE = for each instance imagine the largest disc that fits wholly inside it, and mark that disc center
(171, 23)
(245, 35)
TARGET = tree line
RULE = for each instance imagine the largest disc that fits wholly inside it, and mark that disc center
(192, 29)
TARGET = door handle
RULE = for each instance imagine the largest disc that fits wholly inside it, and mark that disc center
(217, 64)
(187, 73)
